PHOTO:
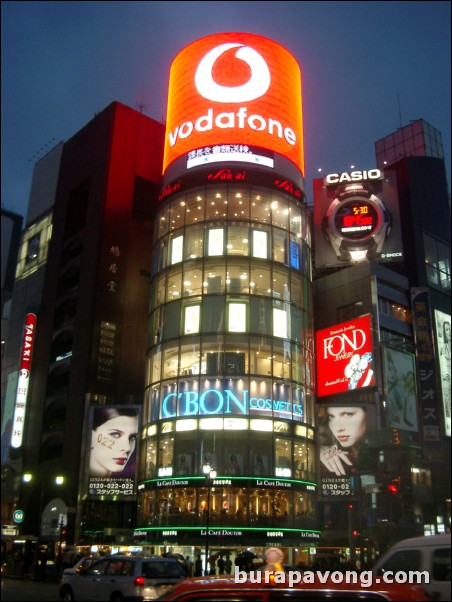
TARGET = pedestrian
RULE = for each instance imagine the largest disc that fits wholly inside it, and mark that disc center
(187, 565)
(228, 565)
(220, 565)
(212, 565)
(274, 558)
(198, 566)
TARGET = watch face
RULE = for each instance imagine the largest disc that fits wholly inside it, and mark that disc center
(356, 219)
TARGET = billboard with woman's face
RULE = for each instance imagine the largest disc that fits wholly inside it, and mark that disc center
(400, 389)
(112, 455)
(443, 344)
(342, 438)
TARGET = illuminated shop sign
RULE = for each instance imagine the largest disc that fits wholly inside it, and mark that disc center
(23, 382)
(226, 174)
(354, 176)
(231, 94)
(426, 366)
(224, 401)
(224, 532)
(344, 357)
(265, 483)
(357, 218)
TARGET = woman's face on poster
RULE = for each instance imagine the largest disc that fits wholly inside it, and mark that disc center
(112, 444)
(348, 425)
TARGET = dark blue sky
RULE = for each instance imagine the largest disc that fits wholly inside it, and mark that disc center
(366, 67)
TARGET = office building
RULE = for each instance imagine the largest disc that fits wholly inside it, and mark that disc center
(83, 271)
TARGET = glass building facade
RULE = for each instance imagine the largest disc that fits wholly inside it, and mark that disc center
(230, 372)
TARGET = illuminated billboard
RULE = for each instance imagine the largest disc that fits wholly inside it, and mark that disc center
(23, 382)
(234, 97)
(342, 439)
(357, 218)
(400, 390)
(443, 345)
(426, 366)
(344, 356)
(113, 432)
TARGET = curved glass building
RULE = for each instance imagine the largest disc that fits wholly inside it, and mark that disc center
(230, 376)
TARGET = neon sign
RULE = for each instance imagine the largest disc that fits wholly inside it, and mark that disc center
(234, 88)
(23, 382)
(224, 401)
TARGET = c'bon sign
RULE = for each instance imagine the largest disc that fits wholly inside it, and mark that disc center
(234, 89)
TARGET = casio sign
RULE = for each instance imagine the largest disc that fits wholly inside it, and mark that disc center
(354, 176)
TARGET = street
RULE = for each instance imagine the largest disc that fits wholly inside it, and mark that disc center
(18, 590)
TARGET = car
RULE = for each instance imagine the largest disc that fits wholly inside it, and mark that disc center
(118, 578)
(83, 563)
(427, 553)
(205, 589)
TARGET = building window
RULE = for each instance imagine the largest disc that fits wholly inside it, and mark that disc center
(394, 310)
(216, 241)
(260, 248)
(34, 247)
(177, 246)
(280, 323)
(236, 317)
(437, 263)
(192, 319)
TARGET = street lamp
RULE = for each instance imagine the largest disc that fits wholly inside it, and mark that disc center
(27, 478)
(59, 480)
(211, 474)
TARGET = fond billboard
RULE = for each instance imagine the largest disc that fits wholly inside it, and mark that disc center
(344, 354)
(234, 97)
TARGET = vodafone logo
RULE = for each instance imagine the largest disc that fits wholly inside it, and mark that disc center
(234, 88)
(255, 87)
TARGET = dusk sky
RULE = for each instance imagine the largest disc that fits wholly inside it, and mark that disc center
(367, 69)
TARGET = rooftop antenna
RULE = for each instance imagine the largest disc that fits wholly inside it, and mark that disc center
(400, 110)
(141, 105)
(39, 154)
(404, 154)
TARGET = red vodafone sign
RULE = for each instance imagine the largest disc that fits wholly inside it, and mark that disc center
(234, 89)
(344, 356)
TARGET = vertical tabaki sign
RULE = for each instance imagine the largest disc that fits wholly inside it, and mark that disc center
(425, 357)
(23, 382)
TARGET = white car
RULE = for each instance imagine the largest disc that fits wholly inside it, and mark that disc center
(429, 554)
(119, 578)
(83, 563)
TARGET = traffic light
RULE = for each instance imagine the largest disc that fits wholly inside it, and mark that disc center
(391, 487)
(355, 533)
